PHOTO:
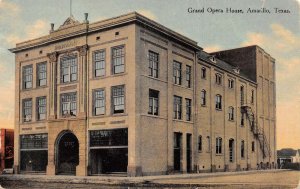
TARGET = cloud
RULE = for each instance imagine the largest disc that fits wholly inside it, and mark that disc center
(148, 14)
(7, 99)
(212, 48)
(9, 7)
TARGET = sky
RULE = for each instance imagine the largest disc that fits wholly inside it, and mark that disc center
(277, 33)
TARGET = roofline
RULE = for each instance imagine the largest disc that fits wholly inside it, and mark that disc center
(125, 19)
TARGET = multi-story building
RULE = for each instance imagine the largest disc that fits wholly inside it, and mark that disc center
(128, 95)
(6, 149)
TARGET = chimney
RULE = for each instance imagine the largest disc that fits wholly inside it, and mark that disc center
(86, 15)
(52, 27)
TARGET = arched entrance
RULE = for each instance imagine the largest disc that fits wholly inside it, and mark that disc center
(67, 156)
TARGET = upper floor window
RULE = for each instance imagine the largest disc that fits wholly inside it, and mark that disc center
(230, 83)
(253, 146)
(41, 74)
(118, 59)
(99, 63)
(177, 107)
(153, 102)
(252, 96)
(218, 102)
(118, 99)
(68, 69)
(27, 110)
(218, 145)
(231, 113)
(188, 76)
(203, 73)
(153, 64)
(219, 79)
(200, 143)
(177, 76)
(242, 95)
(242, 119)
(243, 149)
(41, 108)
(27, 77)
(99, 102)
(208, 143)
(203, 97)
(69, 104)
(188, 109)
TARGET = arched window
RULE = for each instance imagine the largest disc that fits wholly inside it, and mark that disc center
(203, 97)
(200, 143)
(218, 102)
(218, 145)
(218, 79)
(231, 113)
(230, 83)
(243, 149)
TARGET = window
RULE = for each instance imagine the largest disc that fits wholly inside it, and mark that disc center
(99, 102)
(153, 64)
(99, 63)
(231, 113)
(208, 143)
(231, 150)
(218, 102)
(118, 99)
(41, 74)
(69, 104)
(34, 141)
(203, 73)
(230, 83)
(177, 107)
(188, 76)
(27, 110)
(68, 69)
(41, 108)
(200, 143)
(253, 146)
(188, 109)
(242, 149)
(153, 102)
(118, 59)
(252, 96)
(242, 95)
(177, 73)
(242, 119)
(27, 77)
(218, 145)
(218, 79)
(203, 97)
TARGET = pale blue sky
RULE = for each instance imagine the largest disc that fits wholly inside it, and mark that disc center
(278, 34)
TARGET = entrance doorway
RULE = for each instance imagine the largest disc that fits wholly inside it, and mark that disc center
(177, 151)
(68, 154)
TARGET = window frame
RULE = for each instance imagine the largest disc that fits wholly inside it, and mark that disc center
(242, 119)
(242, 149)
(252, 96)
(203, 73)
(69, 67)
(242, 94)
(121, 57)
(38, 79)
(38, 106)
(218, 102)
(103, 98)
(152, 72)
(69, 104)
(200, 143)
(122, 96)
(177, 73)
(24, 78)
(219, 145)
(152, 99)
(177, 107)
(24, 110)
(188, 73)
(253, 146)
(203, 97)
(230, 83)
(102, 59)
(231, 113)
(188, 106)
(218, 79)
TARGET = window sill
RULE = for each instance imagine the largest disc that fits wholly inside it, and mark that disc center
(180, 120)
(41, 87)
(231, 120)
(68, 83)
(203, 105)
(184, 87)
(217, 109)
(119, 114)
(220, 154)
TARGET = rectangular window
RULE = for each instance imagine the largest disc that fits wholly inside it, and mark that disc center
(230, 83)
(69, 104)
(188, 76)
(231, 113)
(200, 143)
(115, 137)
(242, 95)
(41, 108)
(153, 102)
(99, 102)
(253, 146)
(27, 110)
(242, 149)
(118, 59)
(99, 63)
(177, 76)
(218, 145)
(208, 143)
(218, 79)
(218, 102)
(153, 64)
(188, 109)
(203, 73)
(252, 96)
(242, 119)
(41, 74)
(118, 99)
(27, 77)
(68, 68)
(203, 97)
(177, 107)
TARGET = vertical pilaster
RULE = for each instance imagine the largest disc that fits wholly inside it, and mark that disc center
(82, 80)
(53, 85)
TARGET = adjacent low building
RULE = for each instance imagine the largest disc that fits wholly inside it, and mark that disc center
(6, 149)
(127, 95)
